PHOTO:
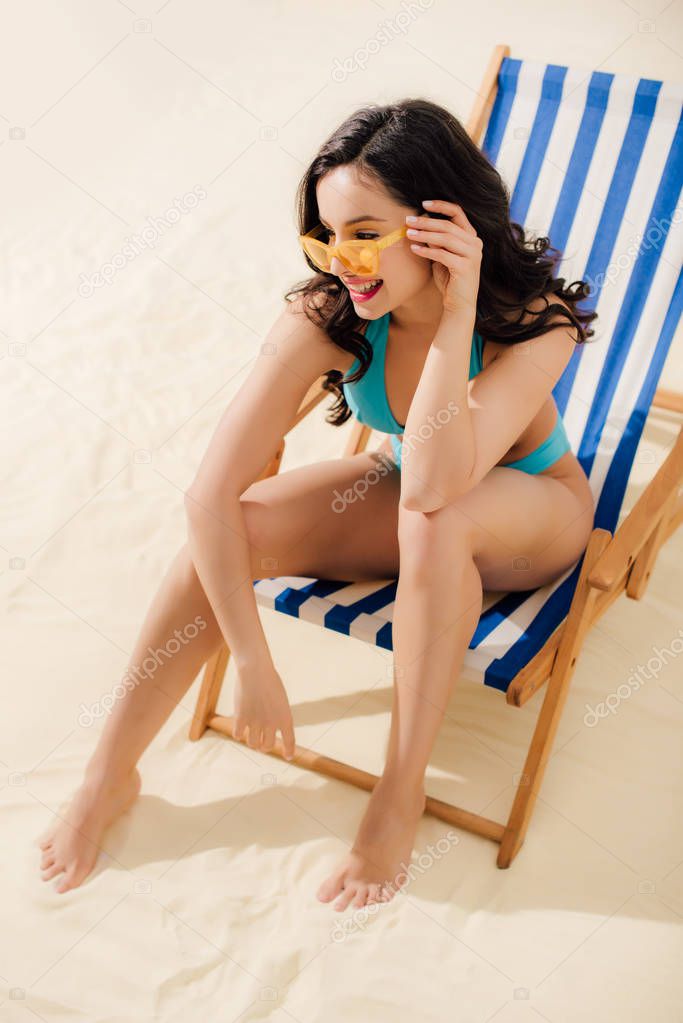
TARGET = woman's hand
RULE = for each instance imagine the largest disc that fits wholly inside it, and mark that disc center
(261, 709)
(455, 249)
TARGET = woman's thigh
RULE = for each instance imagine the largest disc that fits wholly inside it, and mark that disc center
(339, 519)
(333, 519)
(523, 530)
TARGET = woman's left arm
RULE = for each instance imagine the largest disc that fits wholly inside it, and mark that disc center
(457, 429)
(438, 450)
(438, 422)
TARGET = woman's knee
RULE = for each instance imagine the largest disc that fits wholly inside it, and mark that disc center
(426, 538)
(267, 535)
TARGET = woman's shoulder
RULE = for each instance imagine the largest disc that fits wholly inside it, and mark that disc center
(301, 312)
(493, 349)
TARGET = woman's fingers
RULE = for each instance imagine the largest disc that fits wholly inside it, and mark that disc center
(453, 242)
(268, 738)
(449, 259)
(263, 737)
(288, 744)
(436, 225)
(452, 209)
(257, 726)
(254, 739)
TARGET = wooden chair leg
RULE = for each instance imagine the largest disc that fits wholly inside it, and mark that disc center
(212, 681)
(639, 576)
(576, 626)
(358, 439)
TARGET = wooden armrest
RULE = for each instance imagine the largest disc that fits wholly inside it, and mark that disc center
(634, 531)
(671, 400)
(485, 98)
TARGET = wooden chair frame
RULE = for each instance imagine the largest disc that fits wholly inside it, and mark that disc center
(612, 564)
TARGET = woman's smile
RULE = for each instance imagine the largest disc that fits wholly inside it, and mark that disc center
(364, 292)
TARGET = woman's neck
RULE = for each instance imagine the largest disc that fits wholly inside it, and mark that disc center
(421, 313)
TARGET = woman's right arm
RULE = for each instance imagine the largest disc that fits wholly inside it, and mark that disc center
(294, 355)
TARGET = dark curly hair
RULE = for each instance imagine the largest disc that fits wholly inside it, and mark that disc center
(416, 148)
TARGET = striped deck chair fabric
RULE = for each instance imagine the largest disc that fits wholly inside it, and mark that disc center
(595, 162)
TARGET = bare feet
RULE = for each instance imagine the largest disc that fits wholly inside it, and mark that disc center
(381, 851)
(72, 842)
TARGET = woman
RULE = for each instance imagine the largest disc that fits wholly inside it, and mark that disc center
(452, 331)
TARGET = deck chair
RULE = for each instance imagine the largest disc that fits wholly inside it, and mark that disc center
(594, 161)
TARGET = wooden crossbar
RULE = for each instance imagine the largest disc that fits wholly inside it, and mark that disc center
(313, 761)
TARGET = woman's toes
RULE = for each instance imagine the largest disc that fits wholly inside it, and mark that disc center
(375, 893)
(330, 887)
(345, 897)
(52, 871)
(76, 874)
(361, 896)
(68, 881)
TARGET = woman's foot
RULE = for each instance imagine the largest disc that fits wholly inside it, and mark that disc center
(382, 849)
(72, 843)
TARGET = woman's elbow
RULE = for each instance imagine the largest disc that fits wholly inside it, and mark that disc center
(195, 500)
(202, 501)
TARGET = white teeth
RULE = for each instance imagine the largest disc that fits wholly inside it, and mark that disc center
(362, 288)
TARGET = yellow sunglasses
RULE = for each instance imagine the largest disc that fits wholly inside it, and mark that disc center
(359, 255)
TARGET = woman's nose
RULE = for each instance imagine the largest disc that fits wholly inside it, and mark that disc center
(336, 267)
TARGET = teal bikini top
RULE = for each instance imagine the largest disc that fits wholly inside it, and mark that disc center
(367, 397)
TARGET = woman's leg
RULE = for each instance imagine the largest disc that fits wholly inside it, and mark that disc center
(447, 557)
(293, 517)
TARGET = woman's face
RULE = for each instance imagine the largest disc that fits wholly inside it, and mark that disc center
(343, 198)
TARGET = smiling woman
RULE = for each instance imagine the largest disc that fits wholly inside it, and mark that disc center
(370, 175)
(356, 240)
(429, 334)
(408, 227)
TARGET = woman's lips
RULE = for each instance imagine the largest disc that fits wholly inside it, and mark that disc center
(363, 296)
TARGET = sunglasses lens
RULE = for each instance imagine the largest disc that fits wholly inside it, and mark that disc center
(358, 257)
(317, 252)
